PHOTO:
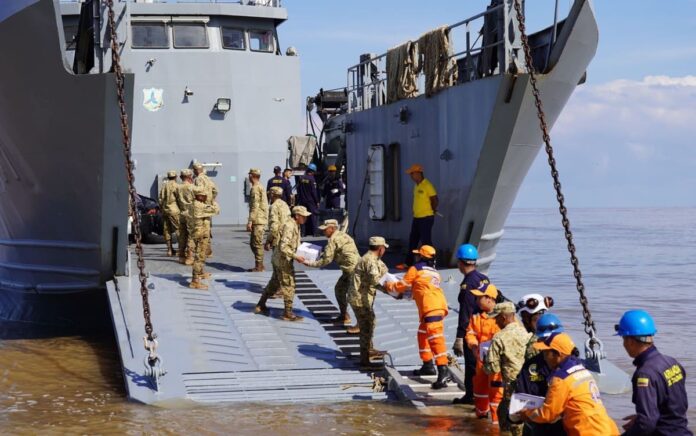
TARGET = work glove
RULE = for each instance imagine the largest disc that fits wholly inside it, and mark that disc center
(458, 347)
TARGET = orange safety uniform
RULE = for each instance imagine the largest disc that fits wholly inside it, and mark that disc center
(424, 282)
(488, 389)
(573, 396)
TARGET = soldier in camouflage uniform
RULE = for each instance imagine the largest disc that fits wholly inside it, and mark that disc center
(185, 199)
(506, 356)
(283, 268)
(202, 180)
(258, 218)
(341, 248)
(280, 212)
(364, 285)
(201, 213)
(170, 209)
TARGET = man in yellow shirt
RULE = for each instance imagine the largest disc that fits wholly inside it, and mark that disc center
(424, 208)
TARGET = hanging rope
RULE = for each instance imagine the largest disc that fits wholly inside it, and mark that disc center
(588, 322)
(152, 360)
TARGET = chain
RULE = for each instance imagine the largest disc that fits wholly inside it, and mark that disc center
(589, 324)
(116, 67)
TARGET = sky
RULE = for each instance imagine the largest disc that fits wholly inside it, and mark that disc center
(627, 137)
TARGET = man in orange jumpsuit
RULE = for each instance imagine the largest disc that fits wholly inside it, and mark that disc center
(573, 395)
(488, 389)
(424, 281)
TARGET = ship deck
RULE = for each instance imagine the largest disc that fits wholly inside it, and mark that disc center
(216, 350)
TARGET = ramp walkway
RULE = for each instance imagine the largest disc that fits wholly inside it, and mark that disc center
(216, 350)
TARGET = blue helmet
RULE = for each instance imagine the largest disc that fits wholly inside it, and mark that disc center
(467, 252)
(636, 323)
(312, 167)
(548, 324)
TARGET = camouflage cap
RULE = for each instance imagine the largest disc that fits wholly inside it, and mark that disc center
(276, 190)
(197, 166)
(300, 210)
(378, 241)
(255, 171)
(186, 172)
(171, 173)
(328, 223)
(504, 307)
(200, 190)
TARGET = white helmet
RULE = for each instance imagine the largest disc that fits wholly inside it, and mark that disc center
(534, 303)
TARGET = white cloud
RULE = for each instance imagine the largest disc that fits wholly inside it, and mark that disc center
(624, 143)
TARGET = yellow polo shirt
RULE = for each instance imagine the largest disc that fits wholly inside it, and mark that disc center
(421, 199)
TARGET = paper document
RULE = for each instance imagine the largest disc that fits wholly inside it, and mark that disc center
(483, 350)
(309, 251)
(388, 278)
(520, 402)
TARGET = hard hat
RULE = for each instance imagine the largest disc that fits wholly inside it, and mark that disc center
(560, 342)
(332, 168)
(415, 168)
(467, 252)
(636, 323)
(534, 303)
(486, 289)
(312, 167)
(426, 252)
(548, 324)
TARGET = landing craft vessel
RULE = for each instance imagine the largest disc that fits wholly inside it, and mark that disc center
(208, 82)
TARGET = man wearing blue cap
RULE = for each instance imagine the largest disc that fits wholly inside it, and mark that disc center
(659, 383)
(308, 196)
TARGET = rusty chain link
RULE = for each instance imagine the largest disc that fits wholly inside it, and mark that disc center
(116, 68)
(589, 323)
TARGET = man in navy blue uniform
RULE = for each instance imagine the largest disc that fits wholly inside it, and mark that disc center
(659, 383)
(280, 181)
(308, 196)
(467, 255)
(333, 189)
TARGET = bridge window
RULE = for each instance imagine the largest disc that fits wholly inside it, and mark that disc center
(261, 40)
(190, 35)
(150, 35)
(233, 39)
(375, 172)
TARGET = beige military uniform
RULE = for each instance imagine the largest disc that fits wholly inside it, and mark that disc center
(506, 356)
(258, 218)
(202, 214)
(169, 208)
(363, 287)
(204, 181)
(280, 212)
(283, 278)
(185, 199)
(340, 248)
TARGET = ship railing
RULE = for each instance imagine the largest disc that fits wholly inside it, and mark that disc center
(491, 47)
(268, 3)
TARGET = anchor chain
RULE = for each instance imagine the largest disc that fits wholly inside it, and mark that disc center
(590, 329)
(152, 360)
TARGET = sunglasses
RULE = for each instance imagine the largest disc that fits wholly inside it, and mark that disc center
(533, 303)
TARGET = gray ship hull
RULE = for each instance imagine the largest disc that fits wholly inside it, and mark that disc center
(476, 141)
(63, 191)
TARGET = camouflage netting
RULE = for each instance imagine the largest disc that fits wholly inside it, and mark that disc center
(439, 67)
(403, 66)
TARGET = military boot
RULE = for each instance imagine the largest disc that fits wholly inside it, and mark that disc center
(367, 365)
(342, 318)
(353, 330)
(197, 284)
(377, 354)
(261, 308)
(442, 377)
(258, 268)
(170, 250)
(427, 369)
(206, 275)
(288, 315)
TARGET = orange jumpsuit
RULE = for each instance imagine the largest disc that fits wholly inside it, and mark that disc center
(424, 282)
(488, 389)
(573, 396)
